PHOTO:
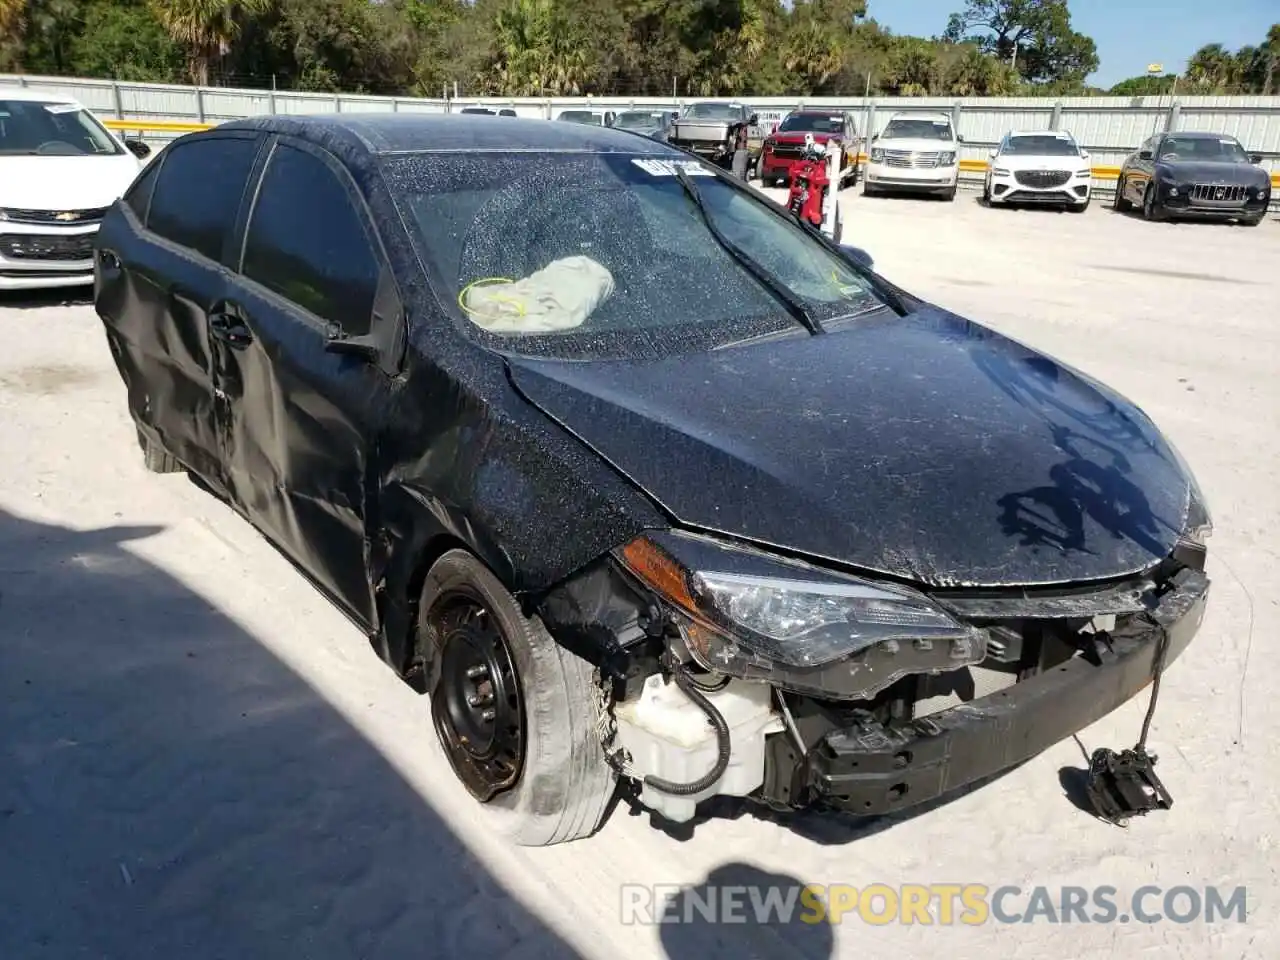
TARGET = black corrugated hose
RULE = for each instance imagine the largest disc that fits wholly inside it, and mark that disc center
(686, 684)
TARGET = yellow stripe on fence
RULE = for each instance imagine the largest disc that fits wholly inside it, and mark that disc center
(155, 126)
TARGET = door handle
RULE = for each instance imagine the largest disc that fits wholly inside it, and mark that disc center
(230, 329)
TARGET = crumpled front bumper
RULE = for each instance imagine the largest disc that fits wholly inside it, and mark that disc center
(874, 768)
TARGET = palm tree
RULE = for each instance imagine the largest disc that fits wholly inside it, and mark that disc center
(1212, 66)
(1270, 49)
(11, 15)
(206, 28)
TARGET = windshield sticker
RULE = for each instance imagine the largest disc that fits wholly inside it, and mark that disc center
(62, 107)
(667, 168)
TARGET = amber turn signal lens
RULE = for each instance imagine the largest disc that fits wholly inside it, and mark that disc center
(652, 565)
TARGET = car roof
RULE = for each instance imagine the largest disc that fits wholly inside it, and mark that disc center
(1063, 134)
(24, 93)
(440, 132)
(1200, 135)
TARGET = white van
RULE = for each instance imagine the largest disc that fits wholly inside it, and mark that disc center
(60, 169)
(915, 152)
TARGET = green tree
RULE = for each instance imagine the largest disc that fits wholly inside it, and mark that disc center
(124, 41)
(1034, 35)
(206, 29)
(1145, 86)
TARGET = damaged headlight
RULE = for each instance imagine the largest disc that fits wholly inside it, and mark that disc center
(752, 615)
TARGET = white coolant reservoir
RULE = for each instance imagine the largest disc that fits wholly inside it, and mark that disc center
(669, 736)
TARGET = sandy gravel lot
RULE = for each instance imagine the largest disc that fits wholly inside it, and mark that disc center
(199, 758)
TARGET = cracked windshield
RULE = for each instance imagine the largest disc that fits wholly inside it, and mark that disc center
(604, 255)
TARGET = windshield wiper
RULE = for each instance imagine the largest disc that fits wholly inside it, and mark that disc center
(770, 282)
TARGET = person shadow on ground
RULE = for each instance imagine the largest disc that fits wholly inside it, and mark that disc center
(743, 911)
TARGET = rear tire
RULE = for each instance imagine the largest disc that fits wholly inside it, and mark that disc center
(562, 783)
(157, 459)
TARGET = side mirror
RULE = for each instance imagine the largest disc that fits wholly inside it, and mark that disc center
(993, 154)
(755, 119)
(1084, 154)
(959, 139)
(138, 148)
(1144, 154)
(875, 138)
(1255, 158)
(858, 254)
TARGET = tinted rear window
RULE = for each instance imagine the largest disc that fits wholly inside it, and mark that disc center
(198, 191)
(138, 196)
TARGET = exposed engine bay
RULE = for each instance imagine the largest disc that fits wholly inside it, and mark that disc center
(906, 698)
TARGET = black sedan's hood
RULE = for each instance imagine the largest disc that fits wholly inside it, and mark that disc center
(1200, 171)
(923, 447)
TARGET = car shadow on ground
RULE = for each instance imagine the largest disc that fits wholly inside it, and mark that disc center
(168, 788)
(1135, 213)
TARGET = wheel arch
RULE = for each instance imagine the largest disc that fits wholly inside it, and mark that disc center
(419, 531)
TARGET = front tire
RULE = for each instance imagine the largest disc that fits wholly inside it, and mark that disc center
(516, 713)
(1151, 207)
(950, 195)
(1121, 203)
(1251, 221)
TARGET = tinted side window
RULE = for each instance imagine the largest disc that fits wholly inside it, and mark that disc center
(306, 241)
(197, 192)
(138, 196)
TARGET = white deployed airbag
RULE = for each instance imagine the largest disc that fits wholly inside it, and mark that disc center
(560, 296)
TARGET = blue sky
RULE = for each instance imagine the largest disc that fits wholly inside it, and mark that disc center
(1129, 33)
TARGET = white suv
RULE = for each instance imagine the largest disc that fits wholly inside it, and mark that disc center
(916, 152)
(1039, 166)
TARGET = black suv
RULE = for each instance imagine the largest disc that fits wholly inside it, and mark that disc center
(1195, 175)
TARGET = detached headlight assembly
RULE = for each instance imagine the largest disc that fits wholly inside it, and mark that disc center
(747, 614)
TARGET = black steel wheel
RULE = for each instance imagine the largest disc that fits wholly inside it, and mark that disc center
(517, 714)
(475, 702)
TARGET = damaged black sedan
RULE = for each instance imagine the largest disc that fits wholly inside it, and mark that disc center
(642, 483)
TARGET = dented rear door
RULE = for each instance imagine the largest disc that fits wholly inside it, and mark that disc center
(160, 276)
